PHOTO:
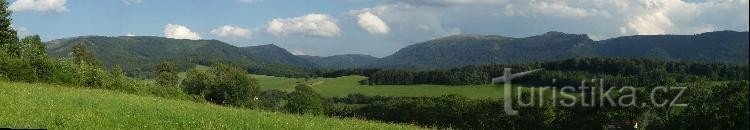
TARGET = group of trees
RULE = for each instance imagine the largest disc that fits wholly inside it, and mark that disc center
(26, 60)
(615, 71)
(711, 106)
(463, 76)
(222, 84)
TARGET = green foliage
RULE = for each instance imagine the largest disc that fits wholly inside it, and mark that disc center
(17, 69)
(224, 85)
(27, 62)
(8, 36)
(166, 75)
(273, 100)
(723, 106)
(197, 82)
(233, 87)
(119, 81)
(570, 72)
(83, 55)
(304, 100)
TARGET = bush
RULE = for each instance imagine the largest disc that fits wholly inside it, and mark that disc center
(273, 100)
(197, 82)
(223, 85)
(304, 100)
(166, 75)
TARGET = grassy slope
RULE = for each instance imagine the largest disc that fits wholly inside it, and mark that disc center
(343, 86)
(25, 105)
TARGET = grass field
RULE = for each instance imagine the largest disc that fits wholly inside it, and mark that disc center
(342, 86)
(24, 105)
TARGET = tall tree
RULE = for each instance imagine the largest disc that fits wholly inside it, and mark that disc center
(166, 75)
(8, 36)
(304, 100)
(82, 55)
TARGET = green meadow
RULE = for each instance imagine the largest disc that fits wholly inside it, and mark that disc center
(342, 86)
(25, 105)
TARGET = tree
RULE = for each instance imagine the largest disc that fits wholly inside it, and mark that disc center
(8, 36)
(119, 81)
(304, 100)
(36, 53)
(273, 99)
(232, 86)
(82, 55)
(197, 82)
(166, 75)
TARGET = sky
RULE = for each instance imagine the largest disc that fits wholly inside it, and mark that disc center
(373, 27)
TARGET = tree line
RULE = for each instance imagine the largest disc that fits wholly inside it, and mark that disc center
(570, 72)
(711, 106)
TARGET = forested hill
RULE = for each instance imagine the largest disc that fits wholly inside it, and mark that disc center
(341, 61)
(274, 54)
(721, 46)
(462, 50)
(138, 55)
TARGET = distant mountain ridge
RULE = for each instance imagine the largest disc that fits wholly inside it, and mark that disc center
(139, 54)
(462, 50)
(341, 61)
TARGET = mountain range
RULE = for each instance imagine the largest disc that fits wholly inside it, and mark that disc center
(138, 55)
(141, 53)
(462, 50)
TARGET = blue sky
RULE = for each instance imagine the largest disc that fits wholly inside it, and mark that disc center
(374, 27)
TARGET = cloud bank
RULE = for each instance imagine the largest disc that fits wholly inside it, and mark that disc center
(372, 24)
(41, 6)
(319, 25)
(180, 32)
(232, 32)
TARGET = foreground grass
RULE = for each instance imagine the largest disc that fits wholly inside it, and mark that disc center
(24, 105)
(342, 86)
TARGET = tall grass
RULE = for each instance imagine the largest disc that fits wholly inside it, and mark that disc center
(24, 105)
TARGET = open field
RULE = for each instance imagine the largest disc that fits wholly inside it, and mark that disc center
(342, 86)
(24, 105)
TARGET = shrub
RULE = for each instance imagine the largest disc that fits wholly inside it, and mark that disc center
(166, 75)
(233, 86)
(304, 100)
(197, 82)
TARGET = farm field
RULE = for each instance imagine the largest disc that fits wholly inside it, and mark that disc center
(24, 105)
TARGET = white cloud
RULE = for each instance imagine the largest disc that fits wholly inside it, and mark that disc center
(561, 9)
(130, 2)
(424, 19)
(372, 23)
(130, 34)
(39, 6)
(320, 25)
(231, 31)
(650, 24)
(179, 32)
(449, 2)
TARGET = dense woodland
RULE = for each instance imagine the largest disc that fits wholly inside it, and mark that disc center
(713, 105)
(615, 72)
(721, 106)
